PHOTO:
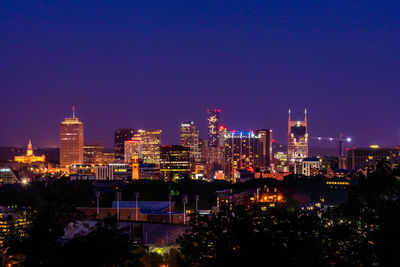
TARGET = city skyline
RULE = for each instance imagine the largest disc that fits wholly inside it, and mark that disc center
(153, 66)
(175, 137)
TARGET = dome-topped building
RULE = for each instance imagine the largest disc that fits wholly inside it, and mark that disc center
(29, 157)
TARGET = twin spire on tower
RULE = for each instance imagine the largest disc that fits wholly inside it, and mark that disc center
(305, 115)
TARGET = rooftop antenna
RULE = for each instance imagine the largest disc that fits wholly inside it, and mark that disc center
(305, 115)
(73, 111)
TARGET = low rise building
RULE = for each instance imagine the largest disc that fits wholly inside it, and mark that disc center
(144, 211)
(307, 166)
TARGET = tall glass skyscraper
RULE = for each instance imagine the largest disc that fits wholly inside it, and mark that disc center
(190, 138)
(120, 136)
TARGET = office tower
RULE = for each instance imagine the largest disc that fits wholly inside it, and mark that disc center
(151, 145)
(133, 148)
(241, 152)
(93, 153)
(222, 130)
(71, 141)
(213, 126)
(297, 139)
(108, 157)
(265, 149)
(175, 162)
(29, 157)
(361, 158)
(120, 136)
(190, 138)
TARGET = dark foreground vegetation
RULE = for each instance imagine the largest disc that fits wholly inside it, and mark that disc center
(362, 231)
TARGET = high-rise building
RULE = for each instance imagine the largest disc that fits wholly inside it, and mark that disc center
(151, 145)
(133, 148)
(71, 142)
(175, 162)
(120, 136)
(93, 153)
(297, 139)
(265, 153)
(190, 138)
(241, 152)
(213, 126)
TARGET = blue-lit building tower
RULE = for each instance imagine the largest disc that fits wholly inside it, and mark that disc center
(241, 152)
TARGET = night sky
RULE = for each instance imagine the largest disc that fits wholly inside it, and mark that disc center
(154, 64)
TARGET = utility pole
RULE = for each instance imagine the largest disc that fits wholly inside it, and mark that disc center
(118, 198)
(98, 199)
(170, 204)
(197, 202)
(137, 211)
(184, 199)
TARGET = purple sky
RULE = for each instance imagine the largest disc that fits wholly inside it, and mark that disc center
(155, 64)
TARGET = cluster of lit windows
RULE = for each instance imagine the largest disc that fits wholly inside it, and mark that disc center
(338, 183)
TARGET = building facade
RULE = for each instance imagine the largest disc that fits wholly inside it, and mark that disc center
(241, 152)
(93, 154)
(114, 171)
(175, 162)
(29, 157)
(71, 142)
(297, 139)
(120, 136)
(213, 118)
(265, 153)
(133, 148)
(307, 166)
(189, 137)
(361, 158)
(151, 145)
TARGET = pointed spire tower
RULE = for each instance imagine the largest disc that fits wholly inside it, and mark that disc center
(297, 138)
(29, 152)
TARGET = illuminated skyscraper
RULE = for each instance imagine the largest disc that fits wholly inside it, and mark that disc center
(93, 153)
(190, 138)
(133, 148)
(120, 136)
(213, 126)
(175, 162)
(265, 149)
(151, 145)
(71, 142)
(297, 139)
(241, 152)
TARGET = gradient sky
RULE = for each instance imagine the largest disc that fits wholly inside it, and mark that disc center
(154, 64)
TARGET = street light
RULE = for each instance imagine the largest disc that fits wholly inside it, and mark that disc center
(197, 202)
(98, 198)
(184, 199)
(137, 197)
(118, 198)
(170, 199)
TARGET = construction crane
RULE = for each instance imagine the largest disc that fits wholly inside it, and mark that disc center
(340, 139)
